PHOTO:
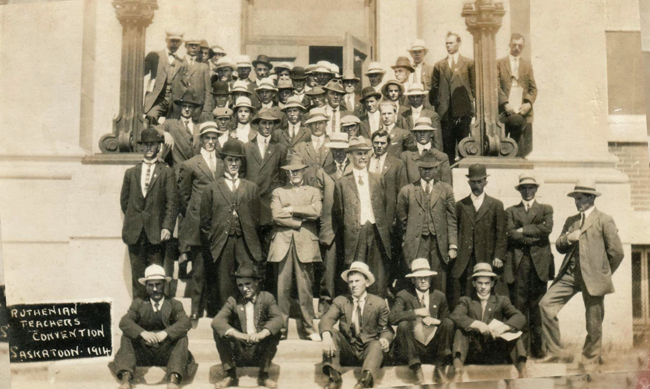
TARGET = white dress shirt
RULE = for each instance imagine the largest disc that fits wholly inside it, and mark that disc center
(374, 120)
(389, 129)
(263, 143)
(452, 58)
(229, 181)
(242, 132)
(249, 309)
(191, 60)
(335, 117)
(223, 138)
(318, 141)
(146, 164)
(293, 129)
(349, 101)
(484, 301)
(425, 296)
(477, 200)
(514, 66)
(210, 158)
(528, 204)
(361, 303)
(415, 113)
(268, 105)
(377, 163)
(416, 76)
(426, 186)
(340, 167)
(585, 215)
(160, 304)
(170, 56)
(366, 214)
(422, 147)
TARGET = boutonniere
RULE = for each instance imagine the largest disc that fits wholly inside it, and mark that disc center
(391, 136)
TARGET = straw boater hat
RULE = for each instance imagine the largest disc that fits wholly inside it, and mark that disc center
(349, 120)
(369, 92)
(359, 267)
(384, 89)
(295, 162)
(403, 62)
(585, 186)
(359, 143)
(221, 112)
(225, 62)
(418, 44)
(415, 89)
(174, 34)
(294, 102)
(427, 160)
(264, 60)
(209, 127)
(241, 87)
(188, 97)
(422, 127)
(375, 68)
(244, 61)
(232, 148)
(265, 114)
(152, 273)
(335, 86)
(338, 140)
(266, 84)
(246, 270)
(349, 75)
(420, 268)
(483, 270)
(243, 102)
(150, 135)
(317, 115)
(526, 179)
(220, 88)
(335, 70)
(477, 171)
(298, 73)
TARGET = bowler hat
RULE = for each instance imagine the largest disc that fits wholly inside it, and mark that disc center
(375, 68)
(338, 140)
(418, 44)
(369, 92)
(246, 269)
(189, 97)
(349, 75)
(265, 114)
(359, 143)
(403, 62)
(476, 171)
(232, 148)
(585, 186)
(220, 112)
(482, 269)
(526, 179)
(152, 273)
(384, 88)
(427, 160)
(294, 161)
(359, 267)
(317, 115)
(294, 102)
(335, 86)
(298, 73)
(209, 127)
(515, 122)
(220, 88)
(264, 60)
(420, 268)
(150, 135)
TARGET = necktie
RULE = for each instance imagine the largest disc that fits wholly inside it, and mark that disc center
(187, 126)
(527, 207)
(156, 306)
(422, 302)
(339, 169)
(357, 321)
(582, 219)
(377, 167)
(515, 71)
(213, 168)
(360, 180)
(147, 178)
(453, 64)
(428, 188)
(317, 144)
(292, 131)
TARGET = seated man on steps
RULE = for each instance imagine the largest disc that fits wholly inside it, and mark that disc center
(247, 329)
(154, 333)
(363, 333)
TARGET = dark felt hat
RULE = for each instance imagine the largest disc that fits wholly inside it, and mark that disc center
(428, 160)
(246, 270)
(263, 59)
(369, 92)
(189, 97)
(220, 88)
(298, 73)
(150, 135)
(477, 172)
(232, 148)
(265, 114)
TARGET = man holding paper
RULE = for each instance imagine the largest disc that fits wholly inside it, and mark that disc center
(424, 330)
(489, 326)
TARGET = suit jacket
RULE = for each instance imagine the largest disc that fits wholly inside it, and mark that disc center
(393, 178)
(405, 121)
(407, 301)
(497, 307)
(176, 322)
(281, 135)
(265, 173)
(186, 145)
(153, 213)
(526, 81)
(357, 107)
(312, 158)
(325, 180)
(251, 134)
(346, 213)
(411, 217)
(300, 227)
(427, 75)
(600, 251)
(413, 171)
(453, 90)
(199, 76)
(162, 73)
(364, 126)
(537, 225)
(400, 140)
(194, 176)
(374, 322)
(482, 232)
(216, 212)
(233, 315)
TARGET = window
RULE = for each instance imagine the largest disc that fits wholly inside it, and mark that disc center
(641, 293)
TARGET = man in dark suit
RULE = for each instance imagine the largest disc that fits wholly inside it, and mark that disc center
(193, 176)
(390, 169)
(335, 107)
(298, 79)
(452, 94)
(424, 131)
(262, 66)
(393, 91)
(247, 329)
(399, 140)
(407, 118)
(426, 219)
(229, 214)
(351, 99)
(423, 72)
(416, 311)
(360, 213)
(517, 83)
(154, 333)
(529, 261)
(363, 334)
(243, 112)
(593, 253)
(167, 79)
(149, 201)
(481, 235)
(371, 120)
(198, 74)
(294, 131)
(266, 92)
(477, 339)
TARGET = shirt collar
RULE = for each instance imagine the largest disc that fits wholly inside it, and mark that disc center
(589, 211)
(262, 137)
(481, 298)
(252, 300)
(418, 109)
(150, 161)
(528, 204)
(229, 177)
(160, 303)
(342, 164)
(268, 105)
(321, 138)
(422, 147)
(361, 298)
(454, 56)
(513, 58)
(424, 183)
(207, 154)
(382, 158)
(421, 294)
(477, 198)
(359, 172)
(389, 128)
(243, 126)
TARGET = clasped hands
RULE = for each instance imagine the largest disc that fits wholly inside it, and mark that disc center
(252, 338)
(486, 330)
(426, 319)
(153, 338)
(523, 110)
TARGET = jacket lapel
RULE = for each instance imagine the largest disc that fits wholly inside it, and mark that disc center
(489, 309)
(446, 69)
(348, 311)
(418, 193)
(508, 68)
(138, 177)
(468, 207)
(487, 202)
(590, 220)
(435, 195)
(256, 152)
(203, 166)
(475, 306)
(224, 189)
(241, 313)
(270, 150)
(532, 212)
(166, 311)
(154, 176)
(352, 184)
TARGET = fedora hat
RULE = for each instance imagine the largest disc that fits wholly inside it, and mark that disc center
(369, 92)
(243, 61)
(323, 67)
(317, 115)
(403, 62)
(204, 44)
(293, 102)
(265, 114)
(483, 269)
(285, 84)
(585, 186)
(338, 140)
(375, 68)
(359, 143)
(232, 148)
(427, 160)
(349, 120)
(152, 273)
(425, 124)
(220, 112)
(310, 68)
(349, 75)
(419, 44)
(150, 135)
(225, 62)
(526, 178)
(315, 91)
(266, 84)
(295, 161)
(174, 34)
(335, 70)
(415, 89)
(209, 127)
(220, 88)
(420, 268)
(264, 60)
(241, 87)
(243, 102)
(298, 73)
(477, 171)
(246, 270)
(335, 86)
(384, 89)
(189, 97)
(359, 267)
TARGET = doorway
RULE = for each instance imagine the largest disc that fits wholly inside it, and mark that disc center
(332, 54)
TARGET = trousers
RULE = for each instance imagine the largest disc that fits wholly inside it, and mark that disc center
(370, 250)
(354, 353)
(234, 352)
(172, 354)
(141, 255)
(405, 349)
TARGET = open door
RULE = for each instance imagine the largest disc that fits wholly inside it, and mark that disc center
(356, 55)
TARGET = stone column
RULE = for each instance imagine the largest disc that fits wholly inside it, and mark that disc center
(135, 16)
(483, 20)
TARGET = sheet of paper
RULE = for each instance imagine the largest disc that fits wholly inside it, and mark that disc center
(516, 97)
(424, 334)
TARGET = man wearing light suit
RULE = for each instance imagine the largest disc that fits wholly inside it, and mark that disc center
(294, 246)
(593, 253)
(423, 73)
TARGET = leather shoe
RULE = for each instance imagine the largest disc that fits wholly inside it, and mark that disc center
(437, 375)
(365, 381)
(335, 381)
(125, 382)
(418, 375)
(227, 382)
(264, 380)
(552, 358)
(174, 381)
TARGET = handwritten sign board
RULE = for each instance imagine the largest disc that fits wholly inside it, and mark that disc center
(51, 332)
